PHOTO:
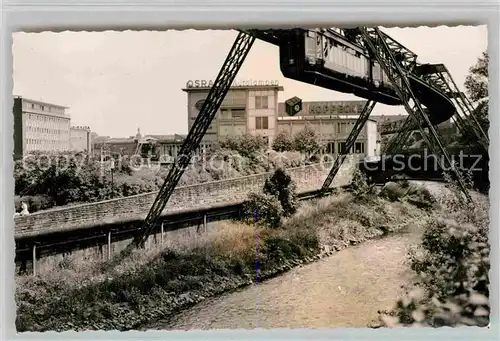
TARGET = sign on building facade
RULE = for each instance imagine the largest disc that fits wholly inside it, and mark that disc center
(331, 108)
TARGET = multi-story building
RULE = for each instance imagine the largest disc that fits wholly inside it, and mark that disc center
(245, 109)
(255, 110)
(40, 126)
(333, 122)
(81, 140)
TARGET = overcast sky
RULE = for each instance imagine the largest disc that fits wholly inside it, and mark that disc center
(116, 82)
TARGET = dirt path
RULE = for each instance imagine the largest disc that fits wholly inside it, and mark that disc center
(345, 290)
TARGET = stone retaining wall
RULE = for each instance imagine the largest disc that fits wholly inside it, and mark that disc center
(217, 192)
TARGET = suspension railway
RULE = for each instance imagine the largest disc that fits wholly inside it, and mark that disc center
(362, 61)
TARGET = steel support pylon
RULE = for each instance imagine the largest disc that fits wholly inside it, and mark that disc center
(222, 83)
(379, 48)
(439, 76)
(445, 81)
(358, 126)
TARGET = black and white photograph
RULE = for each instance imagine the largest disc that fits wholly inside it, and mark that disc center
(251, 178)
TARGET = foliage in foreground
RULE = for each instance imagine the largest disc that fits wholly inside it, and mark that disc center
(281, 186)
(452, 265)
(278, 199)
(147, 287)
(401, 191)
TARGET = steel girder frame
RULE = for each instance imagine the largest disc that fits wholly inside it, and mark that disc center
(400, 137)
(380, 49)
(222, 83)
(443, 80)
(358, 126)
(447, 83)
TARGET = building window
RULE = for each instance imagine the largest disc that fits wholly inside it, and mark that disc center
(261, 102)
(342, 147)
(42, 107)
(359, 147)
(344, 127)
(238, 113)
(261, 123)
(225, 114)
(32, 107)
(331, 148)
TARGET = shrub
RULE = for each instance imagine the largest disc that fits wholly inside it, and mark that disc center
(62, 177)
(35, 203)
(281, 186)
(285, 159)
(393, 192)
(246, 145)
(263, 209)
(359, 186)
(452, 265)
(420, 197)
(282, 142)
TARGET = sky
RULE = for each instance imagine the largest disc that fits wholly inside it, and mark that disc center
(117, 82)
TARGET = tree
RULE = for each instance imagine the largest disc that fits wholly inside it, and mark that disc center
(246, 145)
(476, 82)
(281, 186)
(60, 177)
(306, 141)
(283, 142)
(476, 85)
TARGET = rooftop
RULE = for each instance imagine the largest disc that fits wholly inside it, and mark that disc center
(143, 139)
(173, 138)
(40, 102)
(236, 87)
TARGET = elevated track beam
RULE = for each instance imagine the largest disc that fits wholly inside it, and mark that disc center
(440, 76)
(398, 75)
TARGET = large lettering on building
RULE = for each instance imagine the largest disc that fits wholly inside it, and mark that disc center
(204, 83)
(334, 108)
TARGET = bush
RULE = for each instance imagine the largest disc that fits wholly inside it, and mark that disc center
(263, 209)
(452, 265)
(246, 145)
(285, 159)
(420, 197)
(281, 186)
(35, 203)
(283, 142)
(393, 192)
(359, 186)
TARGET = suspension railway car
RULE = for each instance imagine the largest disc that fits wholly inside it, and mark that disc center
(327, 58)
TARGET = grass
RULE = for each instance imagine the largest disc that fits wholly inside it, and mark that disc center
(154, 284)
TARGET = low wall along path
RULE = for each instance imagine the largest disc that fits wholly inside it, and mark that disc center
(135, 207)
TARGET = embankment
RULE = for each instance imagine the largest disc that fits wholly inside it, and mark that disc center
(156, 284)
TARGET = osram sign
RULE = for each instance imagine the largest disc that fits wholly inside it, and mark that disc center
(202, 83)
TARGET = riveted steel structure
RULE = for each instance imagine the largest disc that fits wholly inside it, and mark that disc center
(363, 61)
